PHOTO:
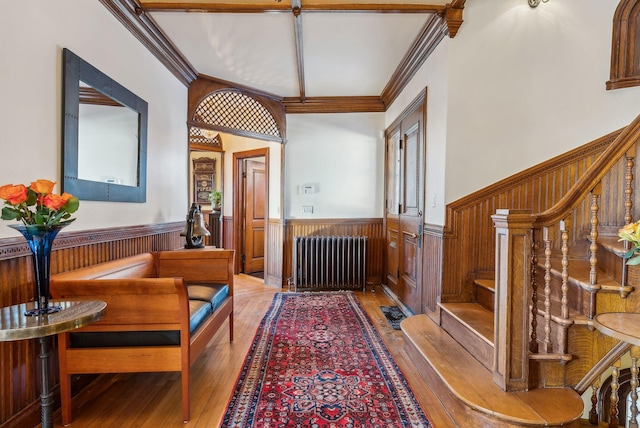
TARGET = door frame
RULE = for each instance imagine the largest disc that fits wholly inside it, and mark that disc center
(238, 201)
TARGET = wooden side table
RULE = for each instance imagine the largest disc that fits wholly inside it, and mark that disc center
(623, 326)
(14, 325)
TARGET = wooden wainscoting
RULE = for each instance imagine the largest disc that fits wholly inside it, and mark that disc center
(469, 245)
(432, 244)
(227, 232)
(19, 373)
(370, 227)
(274, 261)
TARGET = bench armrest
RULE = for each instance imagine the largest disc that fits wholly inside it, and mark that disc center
(205, 265)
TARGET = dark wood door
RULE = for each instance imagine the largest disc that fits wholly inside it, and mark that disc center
(254, 217)
(405, 202)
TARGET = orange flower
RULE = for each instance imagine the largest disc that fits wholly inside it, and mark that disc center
(37, 204)
(42, 187)
(14, 194)
(54, 202)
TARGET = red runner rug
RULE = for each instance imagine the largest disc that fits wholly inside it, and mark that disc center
(318, 361)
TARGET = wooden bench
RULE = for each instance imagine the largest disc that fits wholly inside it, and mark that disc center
(162, 310)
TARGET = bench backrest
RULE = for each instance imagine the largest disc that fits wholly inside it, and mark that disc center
(139, 266)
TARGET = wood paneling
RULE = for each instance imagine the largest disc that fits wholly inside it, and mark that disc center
(19, 384)
(432, 246)
(371, 228)
(274, 262)
(469, 244)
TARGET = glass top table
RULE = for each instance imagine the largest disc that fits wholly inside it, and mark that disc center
(15, 325)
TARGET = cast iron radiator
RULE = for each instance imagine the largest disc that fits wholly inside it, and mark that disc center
(329, 262)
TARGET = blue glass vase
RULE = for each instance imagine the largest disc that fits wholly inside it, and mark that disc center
(40, 240)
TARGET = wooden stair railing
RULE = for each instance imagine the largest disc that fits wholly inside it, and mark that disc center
(516, 232)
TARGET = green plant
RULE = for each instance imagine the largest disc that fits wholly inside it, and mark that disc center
(215, 196)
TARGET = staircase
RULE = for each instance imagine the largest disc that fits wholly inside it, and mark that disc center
(520, 350)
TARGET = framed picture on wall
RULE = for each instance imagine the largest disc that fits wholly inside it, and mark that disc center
(204, 179)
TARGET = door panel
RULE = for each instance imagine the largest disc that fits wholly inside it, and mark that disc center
(254, 216)
(392, 267)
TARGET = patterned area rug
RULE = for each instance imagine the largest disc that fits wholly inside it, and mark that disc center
(394, 315)
(318, 361)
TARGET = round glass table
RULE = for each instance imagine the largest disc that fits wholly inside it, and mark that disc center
(15, 325)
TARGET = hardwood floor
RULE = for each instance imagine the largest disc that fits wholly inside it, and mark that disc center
(153, 399)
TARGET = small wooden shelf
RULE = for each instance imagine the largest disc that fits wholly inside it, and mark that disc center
(623, 326)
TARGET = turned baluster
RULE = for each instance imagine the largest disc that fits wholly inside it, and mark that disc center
(562, 329)
(615, 385)
(533, 344)
(547, 345)
(628, 207)
(633, 411)
(593, 248)
(593, 413)
(628, 189)
(565, 271)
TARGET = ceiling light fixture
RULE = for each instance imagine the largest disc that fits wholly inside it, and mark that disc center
(208, 133)
(535, 3)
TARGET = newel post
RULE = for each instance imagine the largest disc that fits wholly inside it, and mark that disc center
(513, 275)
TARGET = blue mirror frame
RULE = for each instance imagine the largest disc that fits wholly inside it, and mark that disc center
(76, 70)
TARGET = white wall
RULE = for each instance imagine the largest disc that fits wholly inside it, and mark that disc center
(515, 87)
(34, 34)
(528, 84)
(342, 156)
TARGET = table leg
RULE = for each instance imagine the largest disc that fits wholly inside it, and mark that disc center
(46, 397)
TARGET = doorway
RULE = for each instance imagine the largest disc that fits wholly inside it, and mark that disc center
(251, 184)
(405, 172)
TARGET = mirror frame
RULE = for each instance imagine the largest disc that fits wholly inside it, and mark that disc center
(75, 70)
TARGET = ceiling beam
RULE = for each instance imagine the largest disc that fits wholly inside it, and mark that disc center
(151, 6)
(365, 104)
(297, 30)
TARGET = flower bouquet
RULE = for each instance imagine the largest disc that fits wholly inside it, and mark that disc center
(631, 234)
(43, 214)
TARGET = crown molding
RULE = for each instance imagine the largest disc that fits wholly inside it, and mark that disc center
(145, 29)
(446, 20)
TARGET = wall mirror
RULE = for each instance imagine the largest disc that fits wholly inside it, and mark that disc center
(104, 137)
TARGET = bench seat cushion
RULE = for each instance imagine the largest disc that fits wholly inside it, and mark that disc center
(214, 294)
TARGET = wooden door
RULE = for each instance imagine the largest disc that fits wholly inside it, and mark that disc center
(405, 204)
(254, 216)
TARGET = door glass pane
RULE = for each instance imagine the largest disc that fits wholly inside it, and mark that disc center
(393, 173)
(411, 162)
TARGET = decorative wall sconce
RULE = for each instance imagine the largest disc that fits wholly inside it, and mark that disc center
(535, 3)
(194, 230)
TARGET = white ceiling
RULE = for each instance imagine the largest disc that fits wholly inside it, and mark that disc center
(344, 53)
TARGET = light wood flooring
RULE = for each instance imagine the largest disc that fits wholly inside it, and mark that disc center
(153, 399)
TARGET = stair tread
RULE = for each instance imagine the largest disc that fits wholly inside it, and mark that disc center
(612, 244)
(489, 284)
(473, 384)
(579, 271)
(476, 317)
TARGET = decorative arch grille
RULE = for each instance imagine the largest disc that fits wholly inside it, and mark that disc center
(234, 110)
